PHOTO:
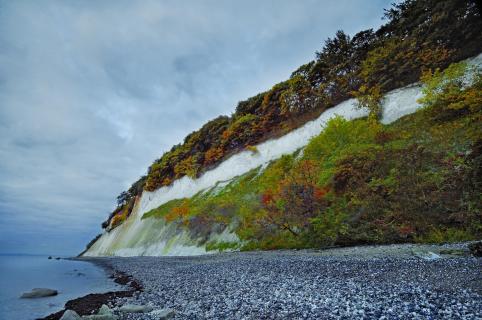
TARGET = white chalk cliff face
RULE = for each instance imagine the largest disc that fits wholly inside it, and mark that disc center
(154, 237)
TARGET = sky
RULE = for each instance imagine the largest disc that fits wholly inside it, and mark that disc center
(92, 92)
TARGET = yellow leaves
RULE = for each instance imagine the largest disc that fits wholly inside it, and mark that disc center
(187, 167)
(116, 220)
(370, 98)
(253, 149)
(456, 88)
(166, 181)
(121, 215)
(471, 98)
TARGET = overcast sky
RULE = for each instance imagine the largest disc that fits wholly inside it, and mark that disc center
(91, 92)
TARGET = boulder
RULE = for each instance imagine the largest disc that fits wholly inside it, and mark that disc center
(39, 293)
(476, 249)
(100, 317)
(426, 255)
(454, 252)
(163, 314)
(105, 310)
(70, 315)
(132, 308)
(104, 313)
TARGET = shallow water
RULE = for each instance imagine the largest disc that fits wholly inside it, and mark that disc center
(71, 279)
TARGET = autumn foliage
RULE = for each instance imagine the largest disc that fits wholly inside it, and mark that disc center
(419, 37)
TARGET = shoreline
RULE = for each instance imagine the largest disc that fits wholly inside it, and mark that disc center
(398, 280)
(90, 303)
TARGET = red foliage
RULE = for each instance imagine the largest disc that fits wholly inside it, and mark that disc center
(267, 198)
(406, 230)
(319, 193)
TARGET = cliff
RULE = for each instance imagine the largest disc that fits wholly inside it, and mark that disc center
(274, 176)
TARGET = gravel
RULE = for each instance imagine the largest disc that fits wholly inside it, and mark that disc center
(382, 282)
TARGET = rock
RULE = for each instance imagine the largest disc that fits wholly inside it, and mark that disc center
(70, 315)
(39, 293)
(132, 308)
(163, 314)
(100, 317)
(105, 310)
(50, 257)
(476, 249)
(453, 252)
(426, 255)
(104, 313)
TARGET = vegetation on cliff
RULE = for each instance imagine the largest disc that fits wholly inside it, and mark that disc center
(419, 35)
(415, 180)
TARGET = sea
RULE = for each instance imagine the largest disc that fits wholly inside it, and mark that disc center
(71, 278)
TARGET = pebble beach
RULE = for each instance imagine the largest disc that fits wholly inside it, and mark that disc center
(368, 282)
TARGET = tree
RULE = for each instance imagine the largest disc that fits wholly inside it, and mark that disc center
(123, 198)
(295, 201)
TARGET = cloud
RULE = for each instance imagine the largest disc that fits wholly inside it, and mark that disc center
(92, 92)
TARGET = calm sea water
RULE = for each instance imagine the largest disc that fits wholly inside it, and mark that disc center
(72, 279)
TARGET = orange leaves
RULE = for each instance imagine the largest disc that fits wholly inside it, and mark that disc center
(178, 213)
(181, 211)
(226, 134)
(212, 155)
(434, 55)
(294, 200)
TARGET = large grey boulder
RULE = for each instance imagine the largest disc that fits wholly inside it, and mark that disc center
(132, 308)
(70, 315)
(39, 293)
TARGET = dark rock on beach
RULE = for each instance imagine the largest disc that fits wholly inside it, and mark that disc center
(476, 249)
(91, 303)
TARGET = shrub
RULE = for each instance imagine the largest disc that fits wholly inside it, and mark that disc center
(253, 149)
(164, 209)
(213, 155)
(452, 92)
(370, 99)
(222, 246)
